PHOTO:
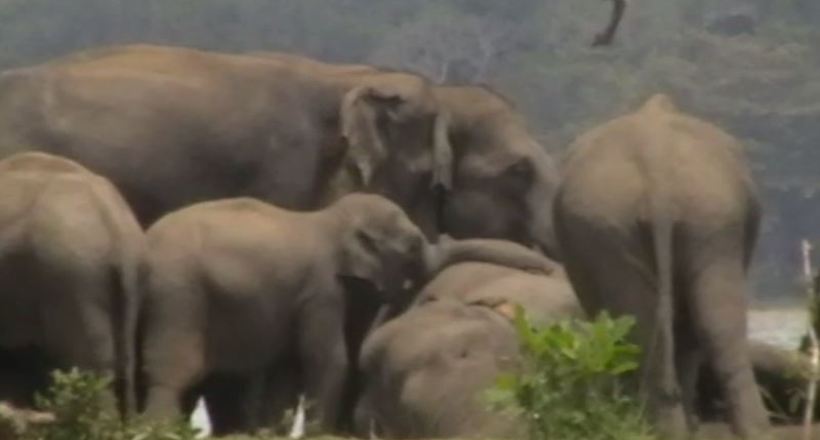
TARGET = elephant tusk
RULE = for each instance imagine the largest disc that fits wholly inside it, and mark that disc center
(506, 310)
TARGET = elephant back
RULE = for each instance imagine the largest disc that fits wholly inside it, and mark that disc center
(426, 371)
(545, 298)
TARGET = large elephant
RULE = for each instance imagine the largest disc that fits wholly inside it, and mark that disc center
(172, 126)
(69, 253)
(657, 216)
(425, 371)
(503, 179)
(237, 286)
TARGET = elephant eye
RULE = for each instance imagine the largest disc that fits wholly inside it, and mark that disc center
(367, 241)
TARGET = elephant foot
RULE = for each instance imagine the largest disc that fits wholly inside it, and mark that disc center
(671, 423)
(162, 404)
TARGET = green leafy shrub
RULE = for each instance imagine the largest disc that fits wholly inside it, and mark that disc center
(80, 403)
(569, 386)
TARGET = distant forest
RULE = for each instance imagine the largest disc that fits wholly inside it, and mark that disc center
(753, 66)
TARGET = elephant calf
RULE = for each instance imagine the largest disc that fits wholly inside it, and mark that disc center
(69, 250)
(238, 286)
(425, 371)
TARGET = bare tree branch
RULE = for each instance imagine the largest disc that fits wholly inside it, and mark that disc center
(605, 38)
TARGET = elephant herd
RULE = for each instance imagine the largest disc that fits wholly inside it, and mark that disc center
(247, 228)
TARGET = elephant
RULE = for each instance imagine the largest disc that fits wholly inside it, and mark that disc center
(502, 178)
(235, 286)
(656, 216)
(69, 257)
(287, 129)
(172, 126)
(166, 145)
(424, 371)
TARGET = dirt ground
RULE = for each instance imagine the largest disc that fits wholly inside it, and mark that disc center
(719, 431)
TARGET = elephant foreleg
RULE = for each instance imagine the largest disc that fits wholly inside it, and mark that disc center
(503, 253)
(323, 357)
(230, 403)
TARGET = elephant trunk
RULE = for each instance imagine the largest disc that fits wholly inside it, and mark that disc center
(540, 202)
(448, 252)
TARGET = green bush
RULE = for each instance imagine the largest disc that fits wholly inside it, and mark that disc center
(569, 385)
(80, 403)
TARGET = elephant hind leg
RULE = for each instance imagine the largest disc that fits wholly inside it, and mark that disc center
(173, 363)
(79, 329)
(227, 398)
(607, 274)
(172, 338)
(719, 312)
(689, 360)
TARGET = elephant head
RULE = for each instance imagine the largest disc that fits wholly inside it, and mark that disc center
(379, 242)
(397, 143)
(503, 180)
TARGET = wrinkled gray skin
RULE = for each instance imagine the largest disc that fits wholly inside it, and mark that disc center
(69, 249)
(173, 126)
(657, 217)
(425, 371)
(503, 179)
(237, 286)
(289, 130)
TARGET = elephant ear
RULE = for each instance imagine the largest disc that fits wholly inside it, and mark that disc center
(361, 113)
(364, 112)
(520, 174)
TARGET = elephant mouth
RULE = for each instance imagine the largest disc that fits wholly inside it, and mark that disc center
(363, 285)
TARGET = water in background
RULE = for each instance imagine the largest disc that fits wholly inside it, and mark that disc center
(779, 326)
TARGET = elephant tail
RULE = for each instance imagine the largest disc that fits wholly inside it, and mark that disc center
(662, 235)
(126, 298)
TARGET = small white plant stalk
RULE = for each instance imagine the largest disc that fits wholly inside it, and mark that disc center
(297, 430)
(814, 348)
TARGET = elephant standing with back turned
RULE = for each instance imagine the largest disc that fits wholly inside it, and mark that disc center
(657, 216)
(69, 250)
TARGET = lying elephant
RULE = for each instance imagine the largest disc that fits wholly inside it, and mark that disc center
(544, 297)
(238, 286)
(426, 369)
(69, 250)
